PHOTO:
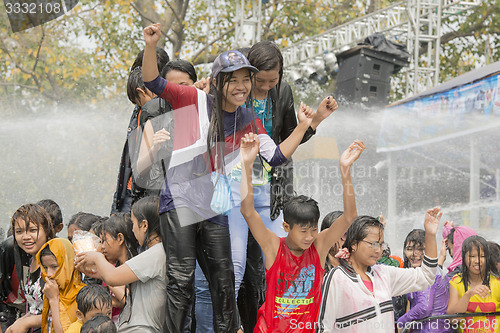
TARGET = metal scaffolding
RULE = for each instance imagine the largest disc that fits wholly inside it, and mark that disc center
(249, 26)
(414, 22)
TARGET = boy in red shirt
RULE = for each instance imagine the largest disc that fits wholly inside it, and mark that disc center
(295, 264)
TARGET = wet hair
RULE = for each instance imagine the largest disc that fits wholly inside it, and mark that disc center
(99, 324)
(325, 224)
(120, 224)
(301, 210)
(417, 237)
(92, 296)
(267, 56)
(46, 252)
(481, 246)
(147, 209)
(216, 127)
(83, 220)
(330, 218)
(161, 59)
(450, 236)
(357, 232)
(135, 82)
(494, 250)
(181, 66)
(54, 211)
(33, 214)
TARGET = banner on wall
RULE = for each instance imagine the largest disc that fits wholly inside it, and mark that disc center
(456, 112)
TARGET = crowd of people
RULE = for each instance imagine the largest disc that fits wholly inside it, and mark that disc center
(206, 234)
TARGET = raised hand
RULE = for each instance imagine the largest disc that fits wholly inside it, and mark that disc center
(305, 114)
(203, 84)
(249, 148)
(352, 153)
(325, 109)
(152, 34)
(84, 260)
(431, 222)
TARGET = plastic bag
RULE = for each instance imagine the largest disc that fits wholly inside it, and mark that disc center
(221, 199)
(84, 241)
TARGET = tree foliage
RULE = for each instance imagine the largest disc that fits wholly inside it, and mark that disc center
(85, 55)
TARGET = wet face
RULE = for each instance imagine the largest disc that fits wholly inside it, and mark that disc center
(266, 80)
(138, 229)
(30, 238)
(111, 247)
(476, 261)
(300, 238)
(236, 91)
(71, 230)
(104, 310)
(50, 265)
(368, 250)
(414, 253)
(178, 77)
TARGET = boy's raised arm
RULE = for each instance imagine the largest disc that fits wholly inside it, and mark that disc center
(329, 236)
(267, 240)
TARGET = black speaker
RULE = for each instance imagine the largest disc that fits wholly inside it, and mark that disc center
(364, 75)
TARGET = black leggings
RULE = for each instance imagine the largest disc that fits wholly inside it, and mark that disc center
(209, 243)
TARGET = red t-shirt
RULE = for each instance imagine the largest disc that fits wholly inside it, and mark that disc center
(293, 293)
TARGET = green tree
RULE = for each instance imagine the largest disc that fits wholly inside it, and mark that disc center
(85, 55)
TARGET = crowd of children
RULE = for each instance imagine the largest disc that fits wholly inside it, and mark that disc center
(204, 163)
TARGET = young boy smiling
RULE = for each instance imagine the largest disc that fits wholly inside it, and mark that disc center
(294, 264)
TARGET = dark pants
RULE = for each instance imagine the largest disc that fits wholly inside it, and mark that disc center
(209, 243)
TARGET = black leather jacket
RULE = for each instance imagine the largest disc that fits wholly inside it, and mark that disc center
(122, 201)
(284, 122)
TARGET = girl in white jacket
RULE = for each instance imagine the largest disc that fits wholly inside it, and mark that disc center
(357, 294)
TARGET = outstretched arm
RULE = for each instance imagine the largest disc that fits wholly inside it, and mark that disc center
(331, 235)
(291, 143)
(267, 240)
(431, 224)
(111, 275)
(325, 109)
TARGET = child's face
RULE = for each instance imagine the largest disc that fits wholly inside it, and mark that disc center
(236, 91)
(368, 251)
(266, 80)
(300, 237)
(111, 247)
(139, 232)
(29, 238)
(104, 310)
(50, 265)
(476, 262)
(414, 253)
(71, 230)
(178, 77)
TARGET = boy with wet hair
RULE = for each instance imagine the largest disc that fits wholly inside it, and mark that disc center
(92, 300)
(294, 264)
(99, 324)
